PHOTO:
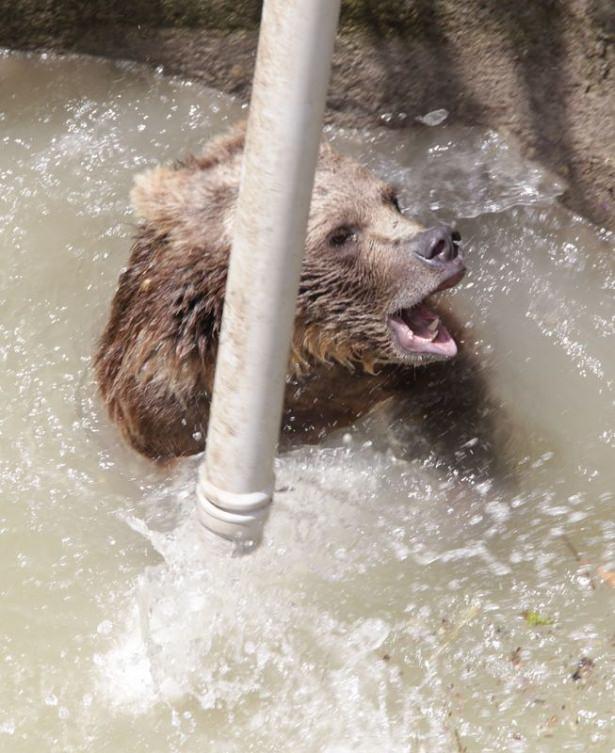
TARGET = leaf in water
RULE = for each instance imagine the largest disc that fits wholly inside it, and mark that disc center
(608, 576)
(535, 619)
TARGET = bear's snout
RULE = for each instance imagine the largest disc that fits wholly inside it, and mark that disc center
(438, 245)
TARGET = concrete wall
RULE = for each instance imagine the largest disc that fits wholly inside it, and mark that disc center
(541, 69)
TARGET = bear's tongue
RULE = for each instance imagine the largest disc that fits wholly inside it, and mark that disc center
(420, 330)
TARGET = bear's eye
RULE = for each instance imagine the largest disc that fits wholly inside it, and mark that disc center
(342, 235)
(395, 203)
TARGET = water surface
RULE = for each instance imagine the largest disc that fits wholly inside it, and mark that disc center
(404, 599)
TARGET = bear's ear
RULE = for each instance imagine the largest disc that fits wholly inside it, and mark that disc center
(220, 149)
(156, 195)
(168, 197)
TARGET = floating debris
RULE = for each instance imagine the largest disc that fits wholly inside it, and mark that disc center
(433, 118)
(608, 576)
(535, 619)
(584, 669)
(516, 657)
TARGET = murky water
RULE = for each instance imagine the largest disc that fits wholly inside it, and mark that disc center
(400, 601)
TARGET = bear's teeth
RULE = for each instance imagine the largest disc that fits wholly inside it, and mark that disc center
(433, 327)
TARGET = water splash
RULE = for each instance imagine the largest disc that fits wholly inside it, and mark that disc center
(385, 608)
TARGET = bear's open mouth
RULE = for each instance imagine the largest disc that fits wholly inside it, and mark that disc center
(418, 329)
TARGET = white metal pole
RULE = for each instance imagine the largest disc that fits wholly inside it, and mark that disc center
(235, 485)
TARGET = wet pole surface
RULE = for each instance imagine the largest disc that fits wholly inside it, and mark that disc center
(235, 484)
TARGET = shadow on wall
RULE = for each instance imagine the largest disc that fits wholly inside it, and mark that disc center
(540, 68)
(70, 17)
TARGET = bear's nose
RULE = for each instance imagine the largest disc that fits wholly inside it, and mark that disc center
(440, 244)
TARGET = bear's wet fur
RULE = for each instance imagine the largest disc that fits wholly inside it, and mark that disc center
(155, 360)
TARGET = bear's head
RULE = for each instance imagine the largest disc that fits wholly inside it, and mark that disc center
(367, 272)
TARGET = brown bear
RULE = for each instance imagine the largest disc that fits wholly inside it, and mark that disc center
(367, 273)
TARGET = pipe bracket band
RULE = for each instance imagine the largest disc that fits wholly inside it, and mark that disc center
(235, 516)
